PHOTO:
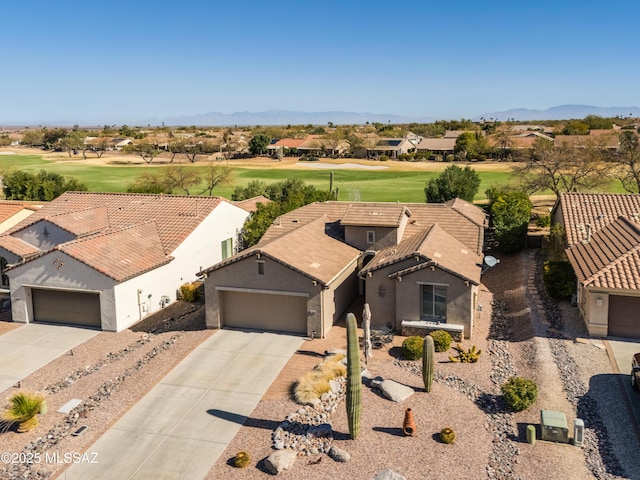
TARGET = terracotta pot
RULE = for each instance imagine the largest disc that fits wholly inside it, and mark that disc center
(409, 425)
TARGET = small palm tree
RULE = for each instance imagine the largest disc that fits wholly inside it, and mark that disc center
(23, 408)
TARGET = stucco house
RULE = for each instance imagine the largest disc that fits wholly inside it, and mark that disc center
(108, 260)
(603, 238)
(418, 266)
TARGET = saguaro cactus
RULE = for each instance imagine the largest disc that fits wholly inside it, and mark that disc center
(428, 348)
(354, 377)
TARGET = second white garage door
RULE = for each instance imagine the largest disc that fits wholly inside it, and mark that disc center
(261, 311)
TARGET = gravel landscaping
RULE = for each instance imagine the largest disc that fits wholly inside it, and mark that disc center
(520, 331)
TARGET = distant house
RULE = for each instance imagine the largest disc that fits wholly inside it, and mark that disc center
(437, 146)
(392, 147)
(418, 266)
(284, 145)
(108, 260)
(323, 147)
(603, 237)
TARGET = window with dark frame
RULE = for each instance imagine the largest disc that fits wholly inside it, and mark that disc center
(434, 303)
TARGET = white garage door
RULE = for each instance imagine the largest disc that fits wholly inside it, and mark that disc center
(62, 306)
(261, 311)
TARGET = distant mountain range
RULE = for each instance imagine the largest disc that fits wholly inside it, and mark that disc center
(290, 117)
(561, 112)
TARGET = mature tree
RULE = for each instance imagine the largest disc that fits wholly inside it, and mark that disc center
(510, 213)
(180, 177)
(259, 143)
(5, 140)
(472, 145)
(150, 183)
(575, 127)
(33, 138)
(52, 137)
(45, 186)
(215, 174)
(628, 161)
(596, 122)
(453, 182)
(72, 142)
(98, 146)
(147, 151)
(230, 144)
(286, 196)
(254, 188)
(204, 147)
(563, 168)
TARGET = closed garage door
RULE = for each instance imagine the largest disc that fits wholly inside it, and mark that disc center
(61, 306)
(260, 311)
(624, 316)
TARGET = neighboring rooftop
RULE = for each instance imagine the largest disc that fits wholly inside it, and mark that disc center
(586, 213)
(611, 257)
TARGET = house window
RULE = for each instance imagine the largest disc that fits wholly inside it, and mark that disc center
(371, 236)
(227, 248)
(3, 267)
(260, 267)
(434, 303)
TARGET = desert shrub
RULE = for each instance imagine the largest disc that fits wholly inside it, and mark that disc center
(559, 280)
(241, 460)
(543, 222)
(332, 367)
(412, 347)
(189, 292)
(23, 408)
(311, 387)
(519, 393)
(383, 158)
(441, 340)
(466, 356)
(447, 435)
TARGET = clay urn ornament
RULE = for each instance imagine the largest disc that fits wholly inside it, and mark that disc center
(409, 425)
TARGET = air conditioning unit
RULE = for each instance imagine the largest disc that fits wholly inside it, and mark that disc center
(554, 426)
(578, 432)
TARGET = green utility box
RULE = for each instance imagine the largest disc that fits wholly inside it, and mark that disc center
(553, 426)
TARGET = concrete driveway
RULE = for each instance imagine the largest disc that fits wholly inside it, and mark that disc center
(180, 428)
(31, 346)
(622, 351)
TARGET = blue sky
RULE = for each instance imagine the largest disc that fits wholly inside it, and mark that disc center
(120, 61)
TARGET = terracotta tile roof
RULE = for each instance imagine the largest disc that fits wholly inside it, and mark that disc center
(251, 204)
(288, 143)
(120, 254)
(611, 258)
(595, 209)
(17, 246)
(308, 250)
(8, 210)
(175, 216)
(375, 214)
(461, 219)
(433, 246)
(446, 144)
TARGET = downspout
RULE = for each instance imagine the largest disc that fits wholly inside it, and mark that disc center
(139, 305)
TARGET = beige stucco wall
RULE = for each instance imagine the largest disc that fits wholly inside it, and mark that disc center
(402, 298)
(243, 274)
(44, 235)
(357, 237)
(15, 219)
(594, 308)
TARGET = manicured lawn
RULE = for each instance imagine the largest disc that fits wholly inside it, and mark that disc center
(367, 185)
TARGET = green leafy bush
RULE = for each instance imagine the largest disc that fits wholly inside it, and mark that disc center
(543, 222)
(189, 292)
(441, 340)
(412, 347)
(520, 393)
(383, 158)
(559, 280)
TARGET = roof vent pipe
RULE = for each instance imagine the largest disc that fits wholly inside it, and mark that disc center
(588, 225)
